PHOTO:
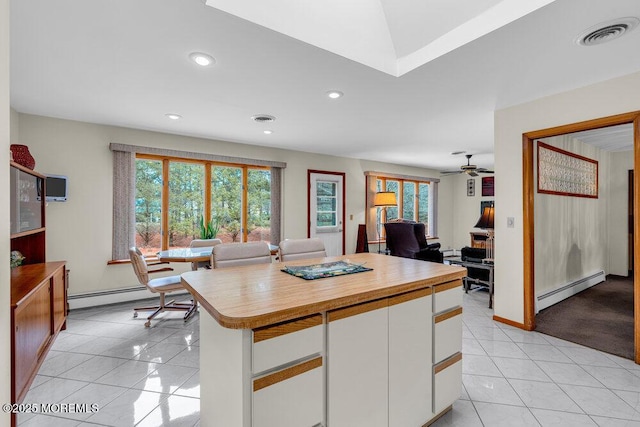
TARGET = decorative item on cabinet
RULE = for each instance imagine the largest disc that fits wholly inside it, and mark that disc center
(16, 259)
(22, 156)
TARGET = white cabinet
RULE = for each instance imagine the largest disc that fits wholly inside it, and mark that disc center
(292, 397)
(447, 334)
(357, 371)
(410, 369)
(287, 342)
(288, 373)
(447, 296)
(447, 382)
(447, 344)
(380, 362)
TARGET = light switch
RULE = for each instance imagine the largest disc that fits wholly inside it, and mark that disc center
(511, 222)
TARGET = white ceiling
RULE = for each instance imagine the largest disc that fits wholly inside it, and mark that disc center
(613, 138)
(125, 63)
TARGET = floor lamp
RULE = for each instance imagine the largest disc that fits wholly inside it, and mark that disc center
(383, 200)
(486, 222)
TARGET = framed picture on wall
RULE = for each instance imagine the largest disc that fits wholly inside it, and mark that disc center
(487, 186)
(471, 187)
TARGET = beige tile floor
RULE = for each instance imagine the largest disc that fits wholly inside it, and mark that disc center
(149, 377)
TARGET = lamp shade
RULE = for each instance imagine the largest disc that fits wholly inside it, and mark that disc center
(486, 220)
(385, 198)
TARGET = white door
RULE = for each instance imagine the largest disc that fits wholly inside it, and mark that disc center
(326, 205)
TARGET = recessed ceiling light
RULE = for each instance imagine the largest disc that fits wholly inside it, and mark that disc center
(202, 59)
(173, 116)
(268, 131)
(334, 94)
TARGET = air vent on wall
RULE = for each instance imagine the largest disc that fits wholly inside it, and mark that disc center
(263, 118)
(606, 31)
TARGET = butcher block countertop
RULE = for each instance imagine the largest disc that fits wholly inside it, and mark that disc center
(260, 295)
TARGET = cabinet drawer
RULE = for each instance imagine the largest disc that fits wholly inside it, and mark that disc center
(447, 296)
(448, 334)
(447, 382)
(286, 342)
(292, 397)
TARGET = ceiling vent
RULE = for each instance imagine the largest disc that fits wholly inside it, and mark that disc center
(606, 31)
(263, 118)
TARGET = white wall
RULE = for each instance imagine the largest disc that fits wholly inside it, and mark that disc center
(591, 102)
(79, 230)
(5, 299)
(571, 233)
(621, 163)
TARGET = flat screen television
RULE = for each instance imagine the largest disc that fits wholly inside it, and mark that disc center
(56, 188)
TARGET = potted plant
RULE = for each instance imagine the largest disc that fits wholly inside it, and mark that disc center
(209, 230)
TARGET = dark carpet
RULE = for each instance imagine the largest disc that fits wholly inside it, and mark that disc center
(600, 317)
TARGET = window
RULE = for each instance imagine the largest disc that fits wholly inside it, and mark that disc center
(173, 195)
(327, 204)
(415, 196)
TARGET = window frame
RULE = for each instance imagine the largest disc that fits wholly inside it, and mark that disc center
(208, 165)
(377, 181)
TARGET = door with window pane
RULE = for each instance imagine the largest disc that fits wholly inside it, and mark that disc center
(326, 210)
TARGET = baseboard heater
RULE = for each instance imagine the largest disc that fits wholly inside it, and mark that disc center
(555, 296)
(92, 299)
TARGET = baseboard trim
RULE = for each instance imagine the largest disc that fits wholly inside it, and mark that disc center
(563, 292)
(93, 299)
(509, 322)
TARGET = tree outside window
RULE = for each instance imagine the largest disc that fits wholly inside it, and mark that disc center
(188, 200)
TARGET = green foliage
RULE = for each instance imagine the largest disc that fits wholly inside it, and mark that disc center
(210, 229)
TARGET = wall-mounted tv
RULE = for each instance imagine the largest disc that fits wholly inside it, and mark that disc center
(56, 188)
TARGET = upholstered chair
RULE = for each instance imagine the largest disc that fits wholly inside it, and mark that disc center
(294, 249)
(238, 254)
(203, 243)
(161, 285)
(407, 240)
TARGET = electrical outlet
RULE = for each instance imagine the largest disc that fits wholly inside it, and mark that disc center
(511, 221)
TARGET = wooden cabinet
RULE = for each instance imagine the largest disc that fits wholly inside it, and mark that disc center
(479, 239)
(38, 288)
(38, 313)
(32, 330)
(27, 220)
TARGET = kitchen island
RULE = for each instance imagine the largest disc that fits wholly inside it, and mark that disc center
(375, 348)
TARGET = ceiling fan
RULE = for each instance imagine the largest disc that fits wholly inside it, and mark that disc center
(469, 169)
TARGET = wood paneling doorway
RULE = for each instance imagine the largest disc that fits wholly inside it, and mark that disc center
(528, 189)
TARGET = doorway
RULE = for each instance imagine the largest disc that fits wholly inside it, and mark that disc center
(528, 210)
(326, 209)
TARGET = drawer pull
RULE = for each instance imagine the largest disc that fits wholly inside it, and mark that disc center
(448, 362)
(448, 315)
(285, 374)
